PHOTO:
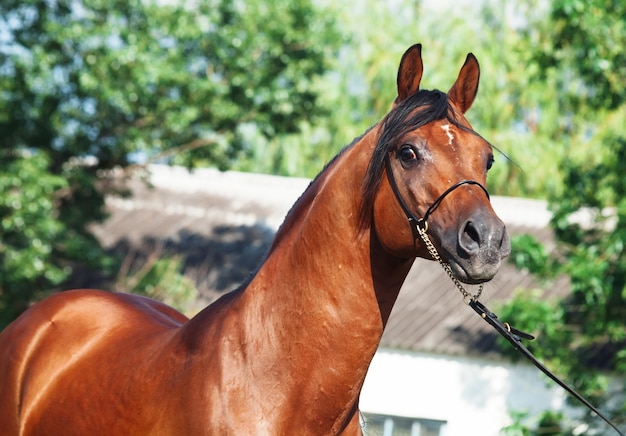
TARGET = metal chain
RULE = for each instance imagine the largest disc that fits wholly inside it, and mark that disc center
(422, 228)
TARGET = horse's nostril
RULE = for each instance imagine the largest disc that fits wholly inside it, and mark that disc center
(471, 237)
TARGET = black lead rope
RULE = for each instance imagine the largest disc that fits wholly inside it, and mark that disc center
(515, 336)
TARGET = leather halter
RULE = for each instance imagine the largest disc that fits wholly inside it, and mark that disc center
(423, 222)
(514, 336)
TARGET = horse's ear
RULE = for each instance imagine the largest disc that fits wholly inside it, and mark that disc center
(410, 72)
(464, 90)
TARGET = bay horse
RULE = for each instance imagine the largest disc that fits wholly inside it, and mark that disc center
(288, 351)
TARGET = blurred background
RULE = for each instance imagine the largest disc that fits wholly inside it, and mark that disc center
(93, 92)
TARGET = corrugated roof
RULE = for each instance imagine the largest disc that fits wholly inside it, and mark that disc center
(223, 222)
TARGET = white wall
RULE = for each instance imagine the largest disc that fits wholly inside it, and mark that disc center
(473, 396)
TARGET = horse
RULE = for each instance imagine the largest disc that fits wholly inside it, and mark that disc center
(288, 351)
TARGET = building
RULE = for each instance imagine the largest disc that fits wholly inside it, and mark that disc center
(437, 372)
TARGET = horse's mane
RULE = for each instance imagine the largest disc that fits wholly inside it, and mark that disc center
(433, 105)
(403, 118)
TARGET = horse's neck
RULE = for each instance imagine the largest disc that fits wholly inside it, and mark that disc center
(326, 289)
(312, 317)
(322, 261)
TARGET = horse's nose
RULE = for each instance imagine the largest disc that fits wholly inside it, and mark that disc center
(484, 235)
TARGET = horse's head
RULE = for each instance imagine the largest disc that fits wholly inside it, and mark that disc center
(436, 168)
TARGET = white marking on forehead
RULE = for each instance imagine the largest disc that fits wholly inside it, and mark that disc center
(446, 128)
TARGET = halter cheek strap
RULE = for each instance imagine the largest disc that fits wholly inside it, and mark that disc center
(419, 226)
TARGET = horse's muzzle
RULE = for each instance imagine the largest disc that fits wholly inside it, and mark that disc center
(476, 252)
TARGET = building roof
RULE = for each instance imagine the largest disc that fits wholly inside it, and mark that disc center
(222, 223)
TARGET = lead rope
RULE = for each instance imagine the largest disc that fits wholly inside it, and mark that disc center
(511, 334)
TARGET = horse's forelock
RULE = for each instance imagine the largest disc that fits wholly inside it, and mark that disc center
(400, 120)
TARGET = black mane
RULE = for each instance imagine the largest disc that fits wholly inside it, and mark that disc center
(433, 105)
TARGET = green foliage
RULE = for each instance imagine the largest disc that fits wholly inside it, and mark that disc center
(529, 254)
(29, 230)
(588, 37)
(579, 52)
(517, 427)
(528, 311)
(548, 424)
(595, 250)
(520, 115)
(159, 278)
(87, 86)
(109, 80)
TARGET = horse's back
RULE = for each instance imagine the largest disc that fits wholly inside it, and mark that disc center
(93, 334)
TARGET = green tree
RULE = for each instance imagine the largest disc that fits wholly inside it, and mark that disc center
(158, 277)
(28, 229)
(584, 335)
(510, 101)
(88, 86)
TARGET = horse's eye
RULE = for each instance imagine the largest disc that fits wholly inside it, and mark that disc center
(490, 162)
(408, 154)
